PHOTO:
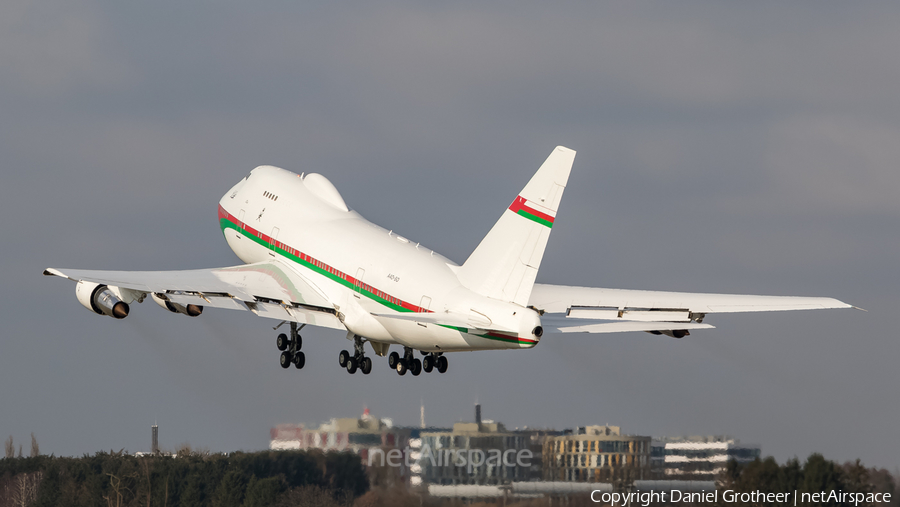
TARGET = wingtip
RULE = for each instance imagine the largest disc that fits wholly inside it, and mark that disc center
(858, 308)
(53, 272)
(841, 304)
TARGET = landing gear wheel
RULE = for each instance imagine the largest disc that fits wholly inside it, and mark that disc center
(366, 366)
(351, 366)
(290, 347)
(442, 364)
(401, 367)
(416, 367)
(428, 364)
(393, 360)
(343, 358)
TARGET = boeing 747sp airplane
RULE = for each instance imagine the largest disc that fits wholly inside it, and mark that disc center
(312, 260)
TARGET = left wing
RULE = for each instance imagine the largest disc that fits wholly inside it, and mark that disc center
(595, 310)
(269, 289)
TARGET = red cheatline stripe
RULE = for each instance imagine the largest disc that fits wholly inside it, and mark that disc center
(511, 338)
(330, 271)
(519, 205)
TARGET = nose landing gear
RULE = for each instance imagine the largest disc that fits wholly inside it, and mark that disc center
(291, 348)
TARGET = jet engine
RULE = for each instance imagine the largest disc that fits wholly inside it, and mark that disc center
(100, 299)
(675, 333)
(192, 310)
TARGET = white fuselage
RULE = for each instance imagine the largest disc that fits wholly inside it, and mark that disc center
(364, 269)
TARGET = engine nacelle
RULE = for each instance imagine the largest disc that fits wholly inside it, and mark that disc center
(675, 333)
(100, 299)
(191, 310)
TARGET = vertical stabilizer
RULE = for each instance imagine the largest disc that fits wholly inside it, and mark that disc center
(506, 261)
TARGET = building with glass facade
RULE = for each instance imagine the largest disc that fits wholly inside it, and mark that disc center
(699, 458)
(597, 454)
(479, 453)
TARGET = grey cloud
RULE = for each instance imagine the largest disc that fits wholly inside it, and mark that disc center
(721, 148)
(49, 48)
(850, 164)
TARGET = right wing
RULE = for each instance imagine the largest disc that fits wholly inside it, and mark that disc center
(594, 310)
(268, 289)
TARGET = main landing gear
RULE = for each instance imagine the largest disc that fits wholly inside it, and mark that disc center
(434, 361)
(291, 348)
(358, 360)
(431, 361)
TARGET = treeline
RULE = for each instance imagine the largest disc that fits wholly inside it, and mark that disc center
(269, 478)
(816, 475)
(10, 447)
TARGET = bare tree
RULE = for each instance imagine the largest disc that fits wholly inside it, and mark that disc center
(35, 450)
(10, 448)
(25, 488)
(117, 495)
(183, 450)
(20, 451)
(149, 482)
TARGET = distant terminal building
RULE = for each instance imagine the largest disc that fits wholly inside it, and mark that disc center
(483, 452)
(372, 439)
(466, 455)
(344, 434)
(597, 454)
(699, 458)
(536, 439)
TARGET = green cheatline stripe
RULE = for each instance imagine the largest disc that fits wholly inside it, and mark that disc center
(510, 339)
(224, 223)
(507, 339)
(534, 218)
(455, 328)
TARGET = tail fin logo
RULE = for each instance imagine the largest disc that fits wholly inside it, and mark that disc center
(521, 208)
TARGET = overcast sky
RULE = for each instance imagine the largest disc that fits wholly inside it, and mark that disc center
(722, 147)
